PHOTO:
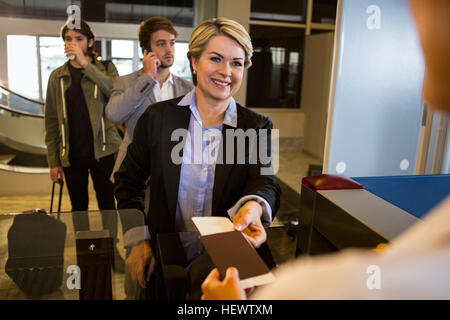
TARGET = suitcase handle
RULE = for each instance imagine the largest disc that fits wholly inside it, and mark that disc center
(61, 185)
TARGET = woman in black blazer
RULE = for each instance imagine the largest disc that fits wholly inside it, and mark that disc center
(205, 153)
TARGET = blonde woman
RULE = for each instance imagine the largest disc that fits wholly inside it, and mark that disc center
(203, 173)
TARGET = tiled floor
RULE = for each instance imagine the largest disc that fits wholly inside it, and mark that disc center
(293, 166)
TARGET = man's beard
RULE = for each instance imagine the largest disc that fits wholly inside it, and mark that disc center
(165, 66)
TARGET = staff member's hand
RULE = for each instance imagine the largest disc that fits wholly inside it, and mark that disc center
(228, 289)
(140, 256)
(74, 50)
(56, 174)
(150, 62)
(248, 220)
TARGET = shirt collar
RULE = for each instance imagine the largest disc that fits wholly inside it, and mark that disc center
(169, 79)
(230, 118)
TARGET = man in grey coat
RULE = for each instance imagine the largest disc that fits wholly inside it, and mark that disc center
(133, 93)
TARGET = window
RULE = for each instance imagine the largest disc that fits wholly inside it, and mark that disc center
(23, 66)
(122, 53)
(181, 64)
(52, 56)
(27, 53)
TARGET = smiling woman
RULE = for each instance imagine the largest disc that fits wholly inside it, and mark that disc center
(219, 51)
(219, 73)
(220, 26)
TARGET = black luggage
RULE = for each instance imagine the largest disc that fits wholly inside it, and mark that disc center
(36, 251)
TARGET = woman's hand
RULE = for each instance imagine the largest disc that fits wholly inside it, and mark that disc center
(248, 220)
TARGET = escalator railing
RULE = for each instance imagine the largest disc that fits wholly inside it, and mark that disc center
(21, 113)
(18, 102)
(22, 141)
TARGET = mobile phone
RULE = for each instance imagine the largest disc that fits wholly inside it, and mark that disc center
(146, 48)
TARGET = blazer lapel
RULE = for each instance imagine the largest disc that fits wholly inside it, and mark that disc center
(173, 120)
(222, 171)
(176, 87)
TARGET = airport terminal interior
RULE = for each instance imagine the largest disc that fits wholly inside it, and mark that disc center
(340, 79)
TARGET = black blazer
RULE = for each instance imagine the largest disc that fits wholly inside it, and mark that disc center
(149, 155)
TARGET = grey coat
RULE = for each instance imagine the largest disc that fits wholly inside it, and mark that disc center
(130, 97)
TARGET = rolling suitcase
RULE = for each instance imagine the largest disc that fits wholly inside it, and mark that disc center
(36, 250)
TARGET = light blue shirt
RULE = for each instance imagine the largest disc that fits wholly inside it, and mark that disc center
(198, 168)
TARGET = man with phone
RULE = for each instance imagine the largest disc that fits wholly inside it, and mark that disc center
(130, 97)
(133, 93)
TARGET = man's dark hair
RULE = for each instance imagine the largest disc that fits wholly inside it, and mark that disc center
(84, 30)
(151, 25)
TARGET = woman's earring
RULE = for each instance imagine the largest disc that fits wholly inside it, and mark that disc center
(194, 72)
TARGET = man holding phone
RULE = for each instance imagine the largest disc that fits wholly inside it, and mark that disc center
(133, 93)
(130, 97)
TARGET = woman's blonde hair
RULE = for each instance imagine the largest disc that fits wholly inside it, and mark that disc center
(214, 27)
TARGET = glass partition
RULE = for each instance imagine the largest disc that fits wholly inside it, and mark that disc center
(67, 256)
(376, 111)
(122, 54)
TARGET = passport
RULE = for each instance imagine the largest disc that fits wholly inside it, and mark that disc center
(231, 249)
